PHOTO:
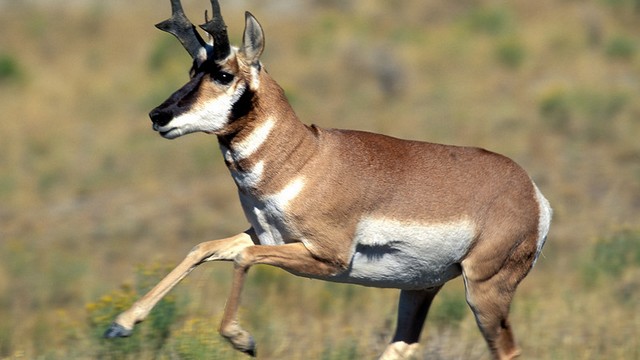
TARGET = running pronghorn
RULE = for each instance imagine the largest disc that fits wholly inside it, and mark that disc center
(347, 206)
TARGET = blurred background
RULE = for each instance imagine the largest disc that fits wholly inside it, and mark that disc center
(95, 207)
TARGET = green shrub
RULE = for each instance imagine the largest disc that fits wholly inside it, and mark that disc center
(554, 106)
(511, 52)
(490, 20)
(598, 110)
(449, 310)
(199, 339)
(626, 6)
(611, 256)
(621, 48)
(149, 336)
(345, 350)
(6, 340)
(587, 112)
(101, 313)
(10, 70)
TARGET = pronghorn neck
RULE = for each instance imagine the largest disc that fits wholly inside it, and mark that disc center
(258, 142)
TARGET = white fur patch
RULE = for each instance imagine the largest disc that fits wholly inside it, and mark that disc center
(210, 117)
(255, 78)
(232, 249)
(407, 255)
(288, 193)
(249, 145)
(400, 350)
(544, 220)
(268, 216)
(244, 149)
(203, 53)
(250, 178)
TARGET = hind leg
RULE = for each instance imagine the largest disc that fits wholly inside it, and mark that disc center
(490, 304)
(490, 290)
(412, 311)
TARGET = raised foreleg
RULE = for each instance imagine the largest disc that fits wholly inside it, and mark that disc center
(224, 249)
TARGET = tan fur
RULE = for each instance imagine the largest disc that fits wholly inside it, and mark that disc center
(455, 181)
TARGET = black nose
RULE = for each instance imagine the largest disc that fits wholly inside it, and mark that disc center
(160, 117)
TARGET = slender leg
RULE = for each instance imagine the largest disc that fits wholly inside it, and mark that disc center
(412, 312)
(294, 258)
(230, 328)
(490, 292)
(491, 310)
(225, 249)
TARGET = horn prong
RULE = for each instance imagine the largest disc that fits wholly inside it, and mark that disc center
(218, 30)
(179, 26)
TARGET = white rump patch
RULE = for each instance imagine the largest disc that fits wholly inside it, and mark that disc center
(407, 255)
(544, 220)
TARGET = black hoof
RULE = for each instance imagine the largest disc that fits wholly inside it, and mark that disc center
(239, 339)
(251, 351)
(248, 347)
(116, 330)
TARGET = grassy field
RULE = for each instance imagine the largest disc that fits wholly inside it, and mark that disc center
(95, 207)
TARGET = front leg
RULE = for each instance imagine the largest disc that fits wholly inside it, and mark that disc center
(412, 311)
(224, 249)
(293, 257)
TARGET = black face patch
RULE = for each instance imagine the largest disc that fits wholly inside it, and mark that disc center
(209, 67)
(244, 104)
(179, 102)
(223, 77)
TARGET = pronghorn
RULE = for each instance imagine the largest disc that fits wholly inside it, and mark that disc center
(347, 206)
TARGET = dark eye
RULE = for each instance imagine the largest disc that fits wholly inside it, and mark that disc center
(222, 77)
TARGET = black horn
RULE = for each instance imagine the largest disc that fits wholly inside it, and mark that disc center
(179, 26)
(218, 30)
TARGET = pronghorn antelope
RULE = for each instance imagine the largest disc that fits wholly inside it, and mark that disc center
(347, 206)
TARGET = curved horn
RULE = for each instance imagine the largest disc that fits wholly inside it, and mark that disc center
(179, 26)
(218, 30)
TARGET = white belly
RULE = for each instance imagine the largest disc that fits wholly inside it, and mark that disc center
(389, 253)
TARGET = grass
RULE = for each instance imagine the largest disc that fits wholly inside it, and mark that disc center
(94, 206)
(10, 71)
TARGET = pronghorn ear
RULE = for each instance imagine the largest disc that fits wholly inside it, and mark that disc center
(252, 40)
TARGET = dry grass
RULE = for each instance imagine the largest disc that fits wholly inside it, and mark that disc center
(88, 192)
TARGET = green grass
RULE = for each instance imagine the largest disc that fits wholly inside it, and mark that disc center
(10, 69)
(611, 257)
(622, 47)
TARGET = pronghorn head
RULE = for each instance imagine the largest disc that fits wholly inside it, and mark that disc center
(223, 78)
